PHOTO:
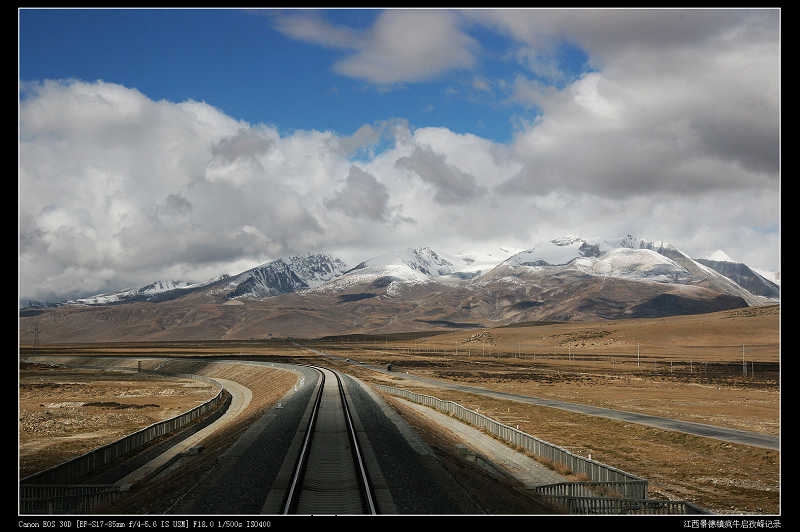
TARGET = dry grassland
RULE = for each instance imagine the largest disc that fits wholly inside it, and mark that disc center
(64, 413)
(707, 388)
(268, 385)
(57, 430)
(592, 363)
(722, 477)
(689, 368)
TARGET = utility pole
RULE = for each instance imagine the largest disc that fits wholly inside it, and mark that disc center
(36, 339)
(744, 364)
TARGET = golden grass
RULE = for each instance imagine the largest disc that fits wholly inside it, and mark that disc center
(720, 476)
(82, 433)
(66, 413)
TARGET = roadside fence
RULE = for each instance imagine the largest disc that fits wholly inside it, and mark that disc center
(624, 484)
(614, 505)
(55, 490)
(66, 499)
(609, 491)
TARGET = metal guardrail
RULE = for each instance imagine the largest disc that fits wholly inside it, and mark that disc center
(624, 484)
(616, 506)
(65, 499)
(73, 470)
(625, 490)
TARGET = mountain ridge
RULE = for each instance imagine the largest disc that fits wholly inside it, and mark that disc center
(625, 257)
(564, 279)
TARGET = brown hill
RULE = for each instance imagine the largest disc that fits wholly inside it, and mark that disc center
(371, 308)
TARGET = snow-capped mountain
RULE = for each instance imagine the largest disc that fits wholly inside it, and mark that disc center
(628, 258)
(164, 286)
(773, 277)
(742, 275)
(475, 262)
(410, 266)
(283, 276)
(562, 279)
(157, 290)
(719, 256)
(555, 252)
(635, 264)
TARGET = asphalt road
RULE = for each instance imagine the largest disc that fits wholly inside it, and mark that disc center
(756, 439)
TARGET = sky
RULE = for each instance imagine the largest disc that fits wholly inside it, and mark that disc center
(182, 144)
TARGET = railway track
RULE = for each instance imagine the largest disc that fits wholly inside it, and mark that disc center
(330, 475)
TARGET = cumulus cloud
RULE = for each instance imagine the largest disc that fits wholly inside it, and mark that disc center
(313, 28)
(453, 186)
(674, 135)
(244, 143)
(401, 46)
(480, 83)
(362, 196)
(682, 101)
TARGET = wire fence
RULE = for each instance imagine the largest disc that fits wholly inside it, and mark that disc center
(747, 364)
(66, 499)
(623, 483)
(56, 489)
(617, 506)
(79, 467)
(609, 490)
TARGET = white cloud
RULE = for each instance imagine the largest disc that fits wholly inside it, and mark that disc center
(311, 27)
(684, 102)
(363, 196)
(479, 83)
(674, 137)
(402, 46)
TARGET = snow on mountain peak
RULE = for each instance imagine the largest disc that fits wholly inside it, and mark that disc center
(554, 252)
(315, 269)
(628, 263)
(284, 275)
(163, 286)
(429, 262)
(632, 242)
(720, 256)
(566, 240)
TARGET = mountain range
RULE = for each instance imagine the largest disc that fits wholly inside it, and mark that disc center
(568, 278)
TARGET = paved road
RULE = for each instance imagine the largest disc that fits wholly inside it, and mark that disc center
(756, 439)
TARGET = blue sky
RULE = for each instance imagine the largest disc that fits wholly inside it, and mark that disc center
(238, 62)
(185, 143)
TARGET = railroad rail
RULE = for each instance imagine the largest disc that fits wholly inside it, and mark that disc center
(330, 476)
